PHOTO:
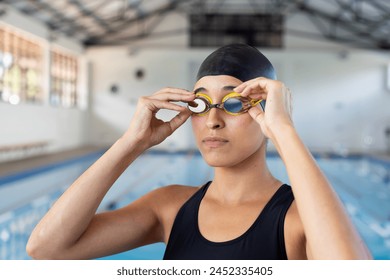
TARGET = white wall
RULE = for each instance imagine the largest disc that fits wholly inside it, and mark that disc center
(25, 123)
(111, 114)
(340, 97)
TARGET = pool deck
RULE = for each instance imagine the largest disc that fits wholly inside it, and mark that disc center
(382, 156)
(12, 167)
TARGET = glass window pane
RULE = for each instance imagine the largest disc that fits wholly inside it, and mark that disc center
(64, 72)
(21, 66)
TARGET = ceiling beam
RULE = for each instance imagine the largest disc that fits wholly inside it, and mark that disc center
(88, 13)
(43, 6)
(125, 23)
(338, 22)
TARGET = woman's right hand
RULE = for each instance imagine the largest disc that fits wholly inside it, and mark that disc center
(146, 129)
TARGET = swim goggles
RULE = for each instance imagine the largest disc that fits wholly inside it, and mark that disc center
(232, 103)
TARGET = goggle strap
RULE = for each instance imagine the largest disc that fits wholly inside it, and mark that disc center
(255, 102)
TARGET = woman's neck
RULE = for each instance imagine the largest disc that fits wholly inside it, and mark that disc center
(245, 181)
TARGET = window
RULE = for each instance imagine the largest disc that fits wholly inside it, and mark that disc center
(21, 68)
(63, 78)
(27, 75)
(259, 30)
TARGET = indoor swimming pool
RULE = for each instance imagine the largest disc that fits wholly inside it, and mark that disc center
(363, 185)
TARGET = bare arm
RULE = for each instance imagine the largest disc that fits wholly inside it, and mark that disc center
(72, 230)
(327, 227)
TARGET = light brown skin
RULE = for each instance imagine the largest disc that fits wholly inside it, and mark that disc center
(316, 225)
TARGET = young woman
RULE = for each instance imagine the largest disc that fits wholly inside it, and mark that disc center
(244, 213)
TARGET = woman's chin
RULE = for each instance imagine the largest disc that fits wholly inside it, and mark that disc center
(219, 161)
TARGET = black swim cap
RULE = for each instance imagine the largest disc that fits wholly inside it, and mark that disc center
(238, 60)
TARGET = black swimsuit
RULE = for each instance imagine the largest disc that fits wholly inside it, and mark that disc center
(264, 240)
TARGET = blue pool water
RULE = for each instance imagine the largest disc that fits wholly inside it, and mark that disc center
(362, 184)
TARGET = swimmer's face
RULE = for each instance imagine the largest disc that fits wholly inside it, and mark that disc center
(224, 139)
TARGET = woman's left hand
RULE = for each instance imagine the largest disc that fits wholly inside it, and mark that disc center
(277, 111)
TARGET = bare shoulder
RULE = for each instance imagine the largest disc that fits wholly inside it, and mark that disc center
(173, 193)
(172, 196)
(295, 240)
(167, 202)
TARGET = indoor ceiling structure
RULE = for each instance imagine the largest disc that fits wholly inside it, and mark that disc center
(361, 23)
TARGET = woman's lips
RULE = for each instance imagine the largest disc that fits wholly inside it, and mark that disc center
(214, 142)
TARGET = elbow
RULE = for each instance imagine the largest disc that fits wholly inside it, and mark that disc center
(39, 250)
(357, 254)
(33, 250)
(361, 252)
(38, 253)
(354, 252)
(35, 246)
(367, 254)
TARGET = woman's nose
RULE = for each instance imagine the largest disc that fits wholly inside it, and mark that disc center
(215, 119)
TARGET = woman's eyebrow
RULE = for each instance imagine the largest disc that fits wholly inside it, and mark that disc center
(225, 88)
(229, 88)
(199, 90)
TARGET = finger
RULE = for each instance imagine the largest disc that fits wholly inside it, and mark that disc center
(252, 89)
(179, 119)
(249, 88)
(155, 105)
(257, 96)
(174, 90)
(173, 96)
(256, 81)
(240, 88)
(257, 114)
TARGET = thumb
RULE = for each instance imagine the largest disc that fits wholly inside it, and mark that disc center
(257, 114)
(179, 119)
